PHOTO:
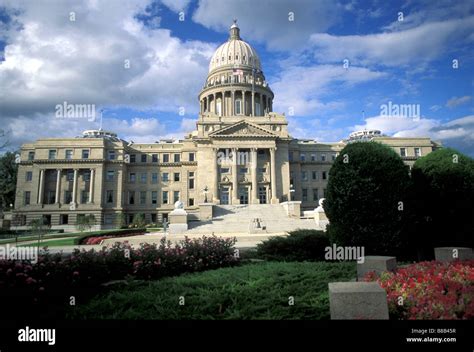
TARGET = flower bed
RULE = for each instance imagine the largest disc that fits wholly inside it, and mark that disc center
(90, 238)
(52, 279)
(430, 290)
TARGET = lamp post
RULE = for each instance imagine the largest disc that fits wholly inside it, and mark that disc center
(205, 190)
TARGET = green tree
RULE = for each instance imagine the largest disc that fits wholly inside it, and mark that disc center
(8, 176)
(365, 199)
(443, 200)
(139, 221)
(39, 227)
(122, 220)
(85, 222)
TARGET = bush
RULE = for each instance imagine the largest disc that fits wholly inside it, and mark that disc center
(443, 201)
(366, 185)
(52, 280)
(300, 245)
(430, 290)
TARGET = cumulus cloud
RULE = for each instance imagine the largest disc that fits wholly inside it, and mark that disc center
(268, 20)
(137, 129)
(299, 88)
(414, 45)
(457, 133)
(177, 5)
(105, 57)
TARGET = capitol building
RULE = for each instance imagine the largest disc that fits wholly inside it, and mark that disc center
(240, 153)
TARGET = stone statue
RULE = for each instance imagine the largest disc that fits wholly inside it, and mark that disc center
(179, 205)
(321, 201)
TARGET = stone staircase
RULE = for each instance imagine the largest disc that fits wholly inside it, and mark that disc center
(239, 218)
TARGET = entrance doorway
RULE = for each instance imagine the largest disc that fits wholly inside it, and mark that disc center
(224, 196)
(262, 195)
(244, 195)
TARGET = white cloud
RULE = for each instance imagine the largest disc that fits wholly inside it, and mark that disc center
(51, 59)
(268, 20)
(415, 45)
(435, 108)
(137, 129)
(176, 5)
(300, 88)
(458, 133)
(455, 101)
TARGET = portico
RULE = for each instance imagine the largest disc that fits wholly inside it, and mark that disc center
(243, 175)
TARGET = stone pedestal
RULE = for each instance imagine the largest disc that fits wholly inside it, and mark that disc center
(292, 209)
(321, 218)
(178, 219)
(450, 254)
(376, 263)
(205, 211)
(357, 300)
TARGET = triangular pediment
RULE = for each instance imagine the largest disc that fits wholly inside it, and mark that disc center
(243, 129)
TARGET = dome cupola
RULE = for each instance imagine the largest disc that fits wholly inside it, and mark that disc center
(235, 85)
(235, 53)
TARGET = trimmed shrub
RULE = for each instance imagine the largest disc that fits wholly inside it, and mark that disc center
(443, 201)
(366, 185)
(299, 245)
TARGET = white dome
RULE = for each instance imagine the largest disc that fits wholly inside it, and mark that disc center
(235, 52)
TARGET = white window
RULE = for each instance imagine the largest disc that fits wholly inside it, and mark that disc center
(403, 151)
(417, 152)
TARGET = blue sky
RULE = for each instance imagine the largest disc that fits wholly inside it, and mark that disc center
(397, 51)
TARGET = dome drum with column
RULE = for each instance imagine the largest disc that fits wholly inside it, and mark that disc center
(236, 84)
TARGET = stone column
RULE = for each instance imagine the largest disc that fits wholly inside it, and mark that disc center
(253, 103)
(214, 102)
(243, 102)
(120, 174)
(253, 158)
(41, 187)
(74, 187)
(235, 179)
(223, 104)
(207, 103)
(273, 174)
(58, 186)
(91, 186)
(232, 103)
(215, 175)
(268, 104)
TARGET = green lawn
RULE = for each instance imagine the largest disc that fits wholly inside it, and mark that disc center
(53, 243)
(251, 291)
